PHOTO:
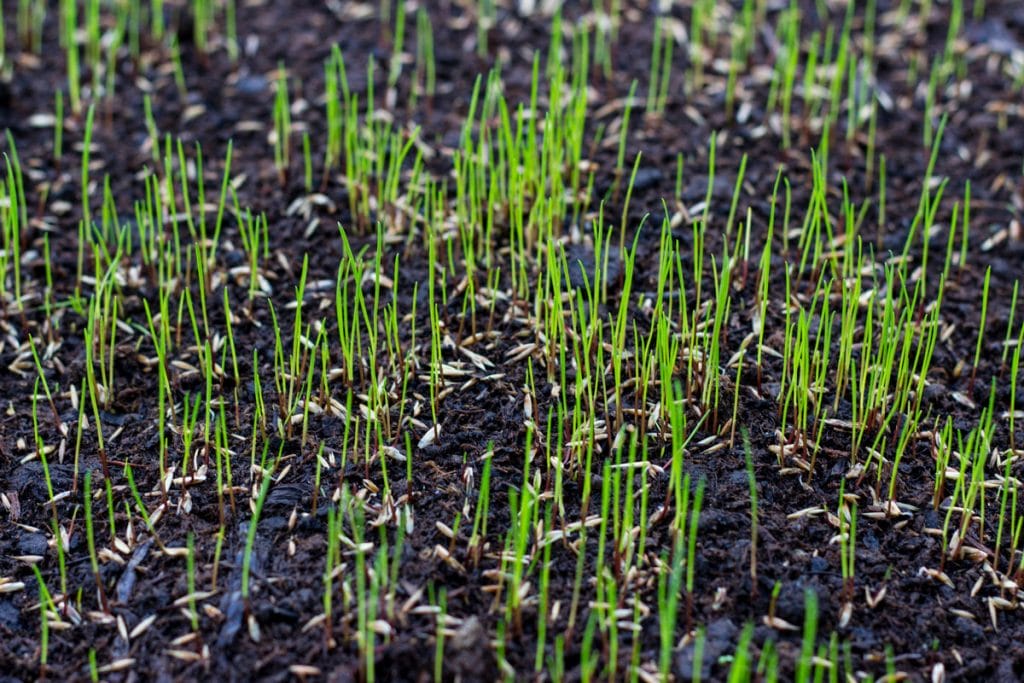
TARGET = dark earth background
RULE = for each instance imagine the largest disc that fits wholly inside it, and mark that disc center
(982, 143)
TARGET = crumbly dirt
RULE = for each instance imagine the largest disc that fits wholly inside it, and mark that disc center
(922, 620)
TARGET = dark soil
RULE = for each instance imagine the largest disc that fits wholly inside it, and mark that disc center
(919, 622)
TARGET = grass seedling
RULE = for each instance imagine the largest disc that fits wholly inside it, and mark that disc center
(481, 511)
(231, 29)
(307, 162)
(395, 65)
(981, 330)
(691, 553)
(620, 163)
(847, 543)
(741, 666)
(86, 149)
(58, 127)
(250, 537)
(668, 596)
(441, 607)
(425, 70)
(805, 664)
(752, 483)
(661, 68)
(69, 24)
(178, 69)
(90, 539)
(14, 219)
(190, 578)
(46, 607)
(331, 567)
(282, 125)
(736, 399)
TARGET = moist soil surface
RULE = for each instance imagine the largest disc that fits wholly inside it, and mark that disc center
(903, 620)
